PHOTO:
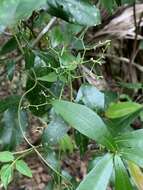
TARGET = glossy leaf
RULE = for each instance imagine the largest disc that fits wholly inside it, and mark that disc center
(122, 179)
(23, 168)
(80, 12)
(85, 121)
(136, 174)
(6, 174)
(6, 156)
(98, 177)
(91, 97)
(121, 109)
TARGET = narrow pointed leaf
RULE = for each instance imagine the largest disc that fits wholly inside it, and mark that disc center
(121, 176)
(85, 121)
(99, 176)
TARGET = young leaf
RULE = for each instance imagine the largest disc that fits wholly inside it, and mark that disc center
(85, 121)
(79, 12)
(121, 176)
(6, 156)
(121, 109)
(91, 97)
(136, 174)
(6, 174)
(98, 177)
(23, 168)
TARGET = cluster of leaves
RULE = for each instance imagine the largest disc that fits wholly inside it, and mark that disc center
(50, 70)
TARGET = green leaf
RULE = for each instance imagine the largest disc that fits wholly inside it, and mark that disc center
(11, 101)
(10, 69)
(10, 133)
(91, 97)
(131, 139)
(121, 109)
(75, 11)
(9, 46)
(85, 121)
(132, 154)
(12, 11)
(29, 58)
(66, 144)
(6, 174)
(98, 177)
(51, 77)
(23, 168)
(55, 130)
(121, 176)
(6, 156)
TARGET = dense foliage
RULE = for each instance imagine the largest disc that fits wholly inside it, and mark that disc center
(53, 88)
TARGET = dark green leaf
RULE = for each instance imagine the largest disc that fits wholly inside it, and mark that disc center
(9, 46)
(10, 133)
(85, 121)
(122, 179)
(23, 168)
(98, 177)
(75, 11)
(11, 101)
(10, 69)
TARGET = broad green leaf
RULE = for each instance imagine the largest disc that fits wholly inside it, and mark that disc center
(85, 121)
(132, 154)
(6, 174)
(109, 5)
(121, 176)
(75, 11)
(55, 130)
(51, 77)
(29, 58)
(121, 109)
(12, 11)
(131, 139)
(136, 174)
(91, 97)
(23, 168)
(11, 101)
(99, 176)
(6, 156)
